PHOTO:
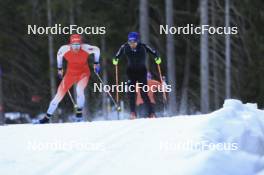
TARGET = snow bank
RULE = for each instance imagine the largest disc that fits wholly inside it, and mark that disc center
(227, 141)
(235, 123)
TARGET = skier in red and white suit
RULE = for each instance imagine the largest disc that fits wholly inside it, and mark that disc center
(76, 54)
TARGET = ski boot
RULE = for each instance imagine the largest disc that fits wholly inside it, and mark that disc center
(152, 115)
(78, 115)
(44, 120)
(133, 116)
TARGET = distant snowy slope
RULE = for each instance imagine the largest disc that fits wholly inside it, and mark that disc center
(226, 142)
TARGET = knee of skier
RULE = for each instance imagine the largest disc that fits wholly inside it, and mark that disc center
(145, 96)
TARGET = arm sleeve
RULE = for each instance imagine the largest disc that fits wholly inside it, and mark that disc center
(120, 51)
(60, 54)
(92, 50)
(151, 50)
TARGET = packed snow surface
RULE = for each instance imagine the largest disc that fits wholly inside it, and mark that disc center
(226, 142)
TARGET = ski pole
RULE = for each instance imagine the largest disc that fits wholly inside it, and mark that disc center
(74, 104)
(117, 95)
(109, 94)
(69, 93)
(164, 94)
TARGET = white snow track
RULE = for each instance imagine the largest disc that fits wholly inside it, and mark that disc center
(226, 142)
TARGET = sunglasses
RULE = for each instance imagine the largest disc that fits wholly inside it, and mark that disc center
(132, 41)
(76, 44)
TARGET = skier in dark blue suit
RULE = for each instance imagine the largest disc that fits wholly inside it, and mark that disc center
(136, 53)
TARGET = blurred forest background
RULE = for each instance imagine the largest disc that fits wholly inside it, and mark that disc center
(232, 66)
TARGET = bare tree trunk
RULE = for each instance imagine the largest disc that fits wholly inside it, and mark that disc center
(215, 61)
(51, 51)
(2, 117)
(104, 64)
(144, 23)
(227, 51)
(185, 84)
(204, 59)
(71, 11)
(72, 21)
(171, 70)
